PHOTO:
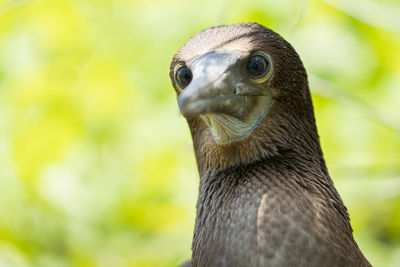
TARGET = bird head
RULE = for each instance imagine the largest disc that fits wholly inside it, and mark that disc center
(242, 86)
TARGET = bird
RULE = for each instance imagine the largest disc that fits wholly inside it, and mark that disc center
(265, 194)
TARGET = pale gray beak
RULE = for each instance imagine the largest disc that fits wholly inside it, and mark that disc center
(218, 86)
(213, 84)
(224, 96)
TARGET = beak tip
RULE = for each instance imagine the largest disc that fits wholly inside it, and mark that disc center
(184, 104)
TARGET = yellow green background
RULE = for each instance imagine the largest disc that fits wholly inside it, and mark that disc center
(96, 164)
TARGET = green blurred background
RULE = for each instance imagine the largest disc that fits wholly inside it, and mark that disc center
(96, 164)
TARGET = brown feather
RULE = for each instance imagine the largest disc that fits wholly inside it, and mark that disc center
(267, 200)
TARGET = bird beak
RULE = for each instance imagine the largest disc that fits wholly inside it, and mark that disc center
(213, 87)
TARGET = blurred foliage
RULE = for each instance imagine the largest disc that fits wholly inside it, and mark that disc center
(96, 165)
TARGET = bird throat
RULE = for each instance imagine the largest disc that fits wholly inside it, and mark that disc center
(227, 128)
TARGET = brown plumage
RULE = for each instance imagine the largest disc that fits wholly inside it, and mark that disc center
(265, 197)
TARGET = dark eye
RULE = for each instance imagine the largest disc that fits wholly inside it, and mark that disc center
(257, 66)
(183, 76)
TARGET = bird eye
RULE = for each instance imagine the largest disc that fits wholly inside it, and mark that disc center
(183, 76)
(257, 66)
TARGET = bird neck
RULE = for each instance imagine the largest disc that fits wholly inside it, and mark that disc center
(246, 214)
(275, 136)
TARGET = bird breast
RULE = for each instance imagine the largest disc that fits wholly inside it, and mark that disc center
(251, 218)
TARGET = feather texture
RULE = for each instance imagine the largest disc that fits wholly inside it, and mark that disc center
(267, 199)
